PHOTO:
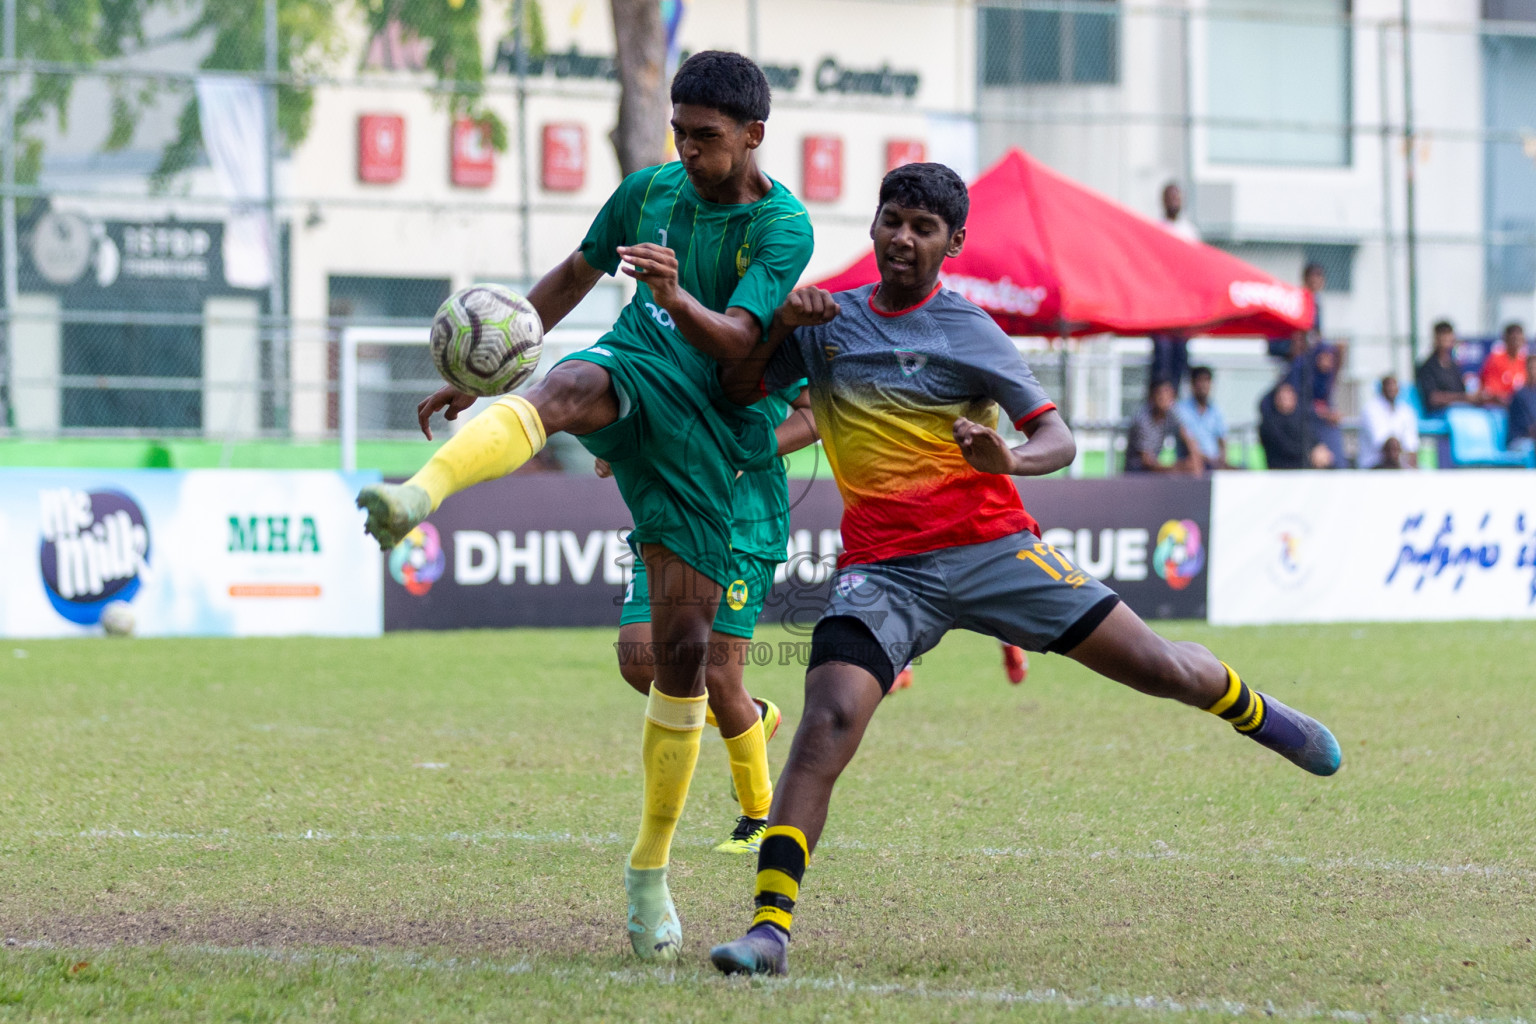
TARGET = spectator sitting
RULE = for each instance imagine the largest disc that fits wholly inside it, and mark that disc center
(1203, 420)
(1313, 374)
(1287, 432)
(1504, 370)
(1388, 419)
(1155, 424)
(1522, 411)
(1391, 456)
(1439, 378)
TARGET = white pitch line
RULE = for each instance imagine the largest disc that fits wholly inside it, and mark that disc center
(1159, 852)
(686, 977)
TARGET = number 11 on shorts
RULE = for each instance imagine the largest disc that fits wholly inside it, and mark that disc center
(1068, 573)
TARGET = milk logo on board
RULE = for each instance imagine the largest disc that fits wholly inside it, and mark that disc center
(95, 549)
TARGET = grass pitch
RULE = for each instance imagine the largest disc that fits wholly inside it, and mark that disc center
(432, 827)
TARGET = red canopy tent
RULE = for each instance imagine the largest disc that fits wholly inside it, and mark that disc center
(1046, 256)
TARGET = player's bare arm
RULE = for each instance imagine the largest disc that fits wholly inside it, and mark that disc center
(1050, 446)
(799, 428)
(807, 306)
(554, 296)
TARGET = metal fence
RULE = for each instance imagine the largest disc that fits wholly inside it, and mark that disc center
(235, 184)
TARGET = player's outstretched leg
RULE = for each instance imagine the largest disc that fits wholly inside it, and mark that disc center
(840, 699)
(1125, 649)
(682, 608)
(577, 397)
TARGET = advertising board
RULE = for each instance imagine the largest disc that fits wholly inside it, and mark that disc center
(1373, 546)
(550, 550)
(199, 553)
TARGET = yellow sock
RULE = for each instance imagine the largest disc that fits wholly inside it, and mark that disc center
(749, 769)
(670, 750)
(709, 717)
(491, 445)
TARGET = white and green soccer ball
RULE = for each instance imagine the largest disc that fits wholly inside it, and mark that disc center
(486, 339)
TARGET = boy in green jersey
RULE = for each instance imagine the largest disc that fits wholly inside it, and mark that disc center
(759, 542)
(714, 245)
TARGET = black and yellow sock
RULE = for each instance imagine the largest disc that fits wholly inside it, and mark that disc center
(780, 867)
(1243, 707)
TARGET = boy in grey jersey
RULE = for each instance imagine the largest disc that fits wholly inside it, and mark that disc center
(906, 382)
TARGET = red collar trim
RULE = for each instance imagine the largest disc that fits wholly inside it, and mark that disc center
(900, 312)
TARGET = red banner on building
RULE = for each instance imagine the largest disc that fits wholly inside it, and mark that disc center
(380, 148)
(899, 152)
(474, 158)
(822, 168)
(564, 157)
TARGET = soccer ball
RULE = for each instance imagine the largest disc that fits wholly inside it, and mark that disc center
(117, 618)
(486, 339)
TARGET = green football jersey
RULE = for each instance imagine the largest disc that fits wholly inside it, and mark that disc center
(760, 505)
(746, 255)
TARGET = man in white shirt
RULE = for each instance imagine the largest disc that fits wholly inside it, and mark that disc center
(1387, 417)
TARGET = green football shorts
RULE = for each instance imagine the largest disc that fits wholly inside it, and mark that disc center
(740, 605)
(675, 450)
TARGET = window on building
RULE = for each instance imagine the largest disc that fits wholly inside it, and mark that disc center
(1278, 91)
(1042, 44)
(1337, 261)
(1509, 10)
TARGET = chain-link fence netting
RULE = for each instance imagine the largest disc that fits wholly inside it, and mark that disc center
(209, 206)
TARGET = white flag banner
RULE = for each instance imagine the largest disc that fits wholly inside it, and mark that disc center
(233, 117)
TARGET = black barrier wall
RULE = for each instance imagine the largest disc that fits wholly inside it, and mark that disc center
(548, 550)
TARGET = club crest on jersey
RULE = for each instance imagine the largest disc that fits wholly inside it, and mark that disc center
(743, 259)
(910, 362)
(736, 595)
(830, 351)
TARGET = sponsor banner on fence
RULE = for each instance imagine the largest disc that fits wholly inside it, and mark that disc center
(550, 550)
(198, 553)
(1373, 546)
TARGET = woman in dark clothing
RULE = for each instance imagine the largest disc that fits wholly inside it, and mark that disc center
(1288, 432)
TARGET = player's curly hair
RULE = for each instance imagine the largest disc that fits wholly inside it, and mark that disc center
(931, 187)
(724, 81)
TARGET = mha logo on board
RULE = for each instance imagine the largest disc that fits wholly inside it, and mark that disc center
(95, 549)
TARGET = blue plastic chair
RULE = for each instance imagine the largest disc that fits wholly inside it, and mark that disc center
(1477, 439)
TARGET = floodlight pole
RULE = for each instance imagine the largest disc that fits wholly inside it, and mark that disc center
(1410, 159)
(275, 307)
(520, 50)
(8, 212)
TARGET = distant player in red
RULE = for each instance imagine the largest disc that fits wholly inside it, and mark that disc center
(906, 381)
(1015, 667)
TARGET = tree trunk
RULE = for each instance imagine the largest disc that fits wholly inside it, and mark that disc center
(639, 139)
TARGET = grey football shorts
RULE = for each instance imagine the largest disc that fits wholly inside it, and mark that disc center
(1016, 588)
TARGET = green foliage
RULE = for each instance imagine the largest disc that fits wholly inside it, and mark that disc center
(310, 42)
(452, 31)
(69, 31)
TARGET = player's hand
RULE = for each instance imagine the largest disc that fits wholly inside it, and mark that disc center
(808, 307)
(654, 264)
(602, 469)
(447, 398)
(983, 447)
